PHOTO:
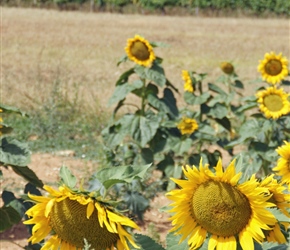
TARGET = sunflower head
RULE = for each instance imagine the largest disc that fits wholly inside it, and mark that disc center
(140, 51)
(187, 126)
(227, 68)
(73, 217)
(273, 68)
(187, 81)
(277, 193)
(283, 164)
(273, 102)
(214, 203)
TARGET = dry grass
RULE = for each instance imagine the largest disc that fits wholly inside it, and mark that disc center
(43, 46)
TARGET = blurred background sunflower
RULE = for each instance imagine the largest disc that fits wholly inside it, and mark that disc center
(273, 68)
(273, 102)
(140, 51)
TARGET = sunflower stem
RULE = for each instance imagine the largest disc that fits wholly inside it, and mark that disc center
(199, 84)
(143, 97)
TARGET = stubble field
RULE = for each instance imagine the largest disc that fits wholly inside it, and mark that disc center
(39, 47)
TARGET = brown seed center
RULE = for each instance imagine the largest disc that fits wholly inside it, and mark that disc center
(68, 220)
(140, 51)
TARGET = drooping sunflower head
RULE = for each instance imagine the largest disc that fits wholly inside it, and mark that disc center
(140, 51)
(273, 68)
(187, 81)
(187, 126)
(278, 196)
(215, 204)
(73, 217)
(227, 68)
(277, 193)
(273, 102)
(283, 164)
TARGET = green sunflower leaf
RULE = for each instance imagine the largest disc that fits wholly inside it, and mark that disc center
(155, 74)
(29, 175)
(121, 91)
(172, 242)
(14, 152)
(146, 243)
(192, 99)
(67, 177)
(141, 128)
(10, 109)
(8, 217)
(219, 111)
(124, 77)
(110, 176)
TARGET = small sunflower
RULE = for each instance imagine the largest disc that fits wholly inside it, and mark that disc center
(187, 81)
(281, 199)
(275, 235)
(73, 217)
(187, 126)
(215, 204)
(273, 67)
(277, 192)
(283, 163)
(140, 51)
(273, 102)
(227, 68)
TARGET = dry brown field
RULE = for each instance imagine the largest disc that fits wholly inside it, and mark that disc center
(39, 47)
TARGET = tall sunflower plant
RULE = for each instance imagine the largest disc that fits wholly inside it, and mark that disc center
(14, 156)
(154, 130)
(210, 118)
(136, 137)
(268, 121)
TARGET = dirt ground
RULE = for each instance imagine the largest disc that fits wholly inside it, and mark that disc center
(46, 167)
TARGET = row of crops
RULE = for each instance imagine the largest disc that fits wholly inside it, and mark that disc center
(256, 7)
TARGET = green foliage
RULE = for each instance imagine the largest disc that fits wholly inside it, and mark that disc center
(249, 7)
(16, 155)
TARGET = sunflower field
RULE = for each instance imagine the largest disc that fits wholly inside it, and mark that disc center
(243, 204)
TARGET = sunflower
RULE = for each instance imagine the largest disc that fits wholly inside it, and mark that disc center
(73, 217)
(281, 199)
(277, 193)
(187, 81)
(227, 68)
(283, 163)
(273, 102)
(140, 51)
(215, 204)
(273, 68)
(187, 126)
